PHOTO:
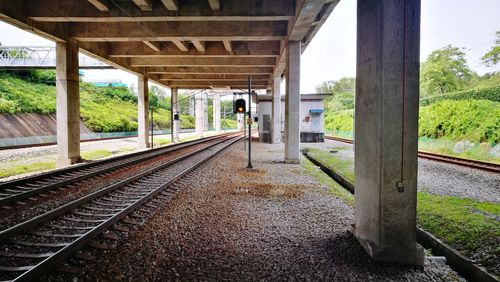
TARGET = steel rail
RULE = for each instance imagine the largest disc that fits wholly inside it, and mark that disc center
(48, 181)
(487, 166)
(33, 271)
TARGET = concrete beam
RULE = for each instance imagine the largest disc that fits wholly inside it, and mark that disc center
(239, 77)
(228, 46)
(79, 11)
(276, 111)
(292, 104)
(195, 61)
(387, 89)
(68, 104)
(100, 5)
(207, 84)
(144, 5)
(211, 70)
(143, 111)
(155, 46)
(214, 4)
(171, 5)
(170, 31)
(199, 45)
(212, 49)
(181, 45)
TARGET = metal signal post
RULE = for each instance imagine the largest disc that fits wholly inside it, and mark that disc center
(249, 165)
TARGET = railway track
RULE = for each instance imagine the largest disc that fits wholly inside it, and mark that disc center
(442, 158)
(31, 186)
(30, 248)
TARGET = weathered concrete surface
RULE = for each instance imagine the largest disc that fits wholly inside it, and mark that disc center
(67, 103)
(31, 125)
(292, 104)
(386, 129)
(143, 111)
(199, 114)
(276, 111)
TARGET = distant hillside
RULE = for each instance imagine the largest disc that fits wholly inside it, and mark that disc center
(102, 109)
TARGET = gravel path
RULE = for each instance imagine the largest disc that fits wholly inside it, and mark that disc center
(440, 178)
(230, 224)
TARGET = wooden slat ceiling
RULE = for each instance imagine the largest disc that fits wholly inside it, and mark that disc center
(179, 43)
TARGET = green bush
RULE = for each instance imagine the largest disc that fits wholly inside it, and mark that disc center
(474, 120)
(340, 120)
(490, 93)
(103, 109)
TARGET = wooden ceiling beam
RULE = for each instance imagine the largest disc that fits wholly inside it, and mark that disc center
(155, 46)
(214, 4)
(199, 45)
(181, 45)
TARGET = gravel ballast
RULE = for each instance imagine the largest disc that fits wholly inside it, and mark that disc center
(271, 223)
(439, 178)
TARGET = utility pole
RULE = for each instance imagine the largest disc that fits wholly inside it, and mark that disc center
(249, 165)
(172, 116)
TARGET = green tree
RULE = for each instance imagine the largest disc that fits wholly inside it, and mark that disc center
(492, 58)
(343, 93)
(444, 71)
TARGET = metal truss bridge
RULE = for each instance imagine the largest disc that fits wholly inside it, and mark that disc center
(39, 57)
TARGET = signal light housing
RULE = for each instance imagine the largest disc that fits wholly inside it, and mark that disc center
(239, 106)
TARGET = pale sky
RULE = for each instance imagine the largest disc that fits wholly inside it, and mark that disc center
(332, 53)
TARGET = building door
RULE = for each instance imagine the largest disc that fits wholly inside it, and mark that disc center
(315, 122)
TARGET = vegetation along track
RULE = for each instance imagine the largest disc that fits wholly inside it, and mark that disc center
(30, 248)
(31, 186)
(442, 158)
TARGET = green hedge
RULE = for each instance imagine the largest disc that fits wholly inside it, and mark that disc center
(490, 93)
(473, 120)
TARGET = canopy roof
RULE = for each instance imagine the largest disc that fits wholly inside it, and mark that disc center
(185, 43)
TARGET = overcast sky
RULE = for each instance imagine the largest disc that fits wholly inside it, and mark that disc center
(332, 53)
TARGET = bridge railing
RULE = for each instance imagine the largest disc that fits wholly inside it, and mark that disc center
(39, 57)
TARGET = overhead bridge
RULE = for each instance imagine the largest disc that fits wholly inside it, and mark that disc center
(40, 57)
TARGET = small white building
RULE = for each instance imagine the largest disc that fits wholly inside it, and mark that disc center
(311, 117)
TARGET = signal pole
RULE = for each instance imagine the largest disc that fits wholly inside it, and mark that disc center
(249, 165)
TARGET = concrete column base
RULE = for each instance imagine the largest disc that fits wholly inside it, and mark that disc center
(293, 161)
(391, 254)
(68, 161)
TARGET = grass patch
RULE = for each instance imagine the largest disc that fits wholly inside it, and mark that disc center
(97, 154)
(161, 141)
(344, 168)
(461, 222)
(25, 168)
(334, 188)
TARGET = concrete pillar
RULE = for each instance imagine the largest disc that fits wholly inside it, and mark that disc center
(292, 104)
(240, 122)
(175, 109)
(68, 103)
(276, 111)
(387, 85)
(199, 113)
(191, 106)
(143, 111)
(216, 113)
(205, 111)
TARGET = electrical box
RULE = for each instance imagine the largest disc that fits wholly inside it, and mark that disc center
(176, 116)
